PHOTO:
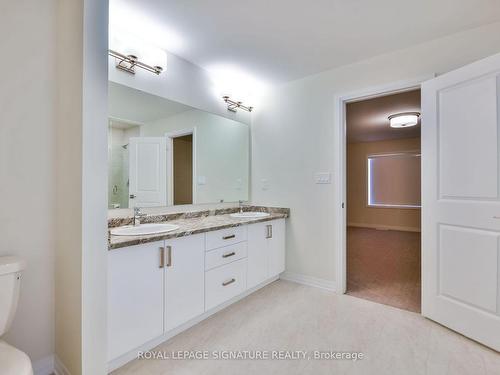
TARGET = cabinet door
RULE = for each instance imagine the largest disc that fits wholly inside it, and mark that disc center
(257, 254)
(135, 297)
(276, 247)
(184, 279)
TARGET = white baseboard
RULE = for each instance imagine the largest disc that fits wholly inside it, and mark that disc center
(130, 356)
(59, 368)
(309, 280)
(44, 366)
(384, 227)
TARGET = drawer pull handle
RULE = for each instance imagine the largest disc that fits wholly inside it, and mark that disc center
(226, 283)
(269, 231)
(229, 254)
(229, 237)
(169, 256)
(162, 257)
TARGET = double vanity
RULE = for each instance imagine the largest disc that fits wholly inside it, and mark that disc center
(196, 263)
(169, 271)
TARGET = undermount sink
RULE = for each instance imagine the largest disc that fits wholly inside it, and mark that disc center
(249, 215)
(143, 229)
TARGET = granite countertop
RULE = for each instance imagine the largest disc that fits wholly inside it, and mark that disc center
(192, 223)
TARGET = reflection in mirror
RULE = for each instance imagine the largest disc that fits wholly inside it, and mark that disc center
(166, 153)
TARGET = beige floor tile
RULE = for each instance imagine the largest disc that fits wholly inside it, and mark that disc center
(289, 316)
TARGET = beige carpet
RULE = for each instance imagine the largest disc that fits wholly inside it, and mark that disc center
(289, 316)
(384, 266)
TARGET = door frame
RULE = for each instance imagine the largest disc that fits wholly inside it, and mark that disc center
(170, 162)
(340, 147)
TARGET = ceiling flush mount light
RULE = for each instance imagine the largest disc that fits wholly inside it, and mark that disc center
(130, 52)
(233, 105)
(404, 120)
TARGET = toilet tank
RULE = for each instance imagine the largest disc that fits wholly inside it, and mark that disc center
(10, 281)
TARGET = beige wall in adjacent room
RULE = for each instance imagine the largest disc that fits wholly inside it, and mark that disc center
(358, 212)
(183, 169)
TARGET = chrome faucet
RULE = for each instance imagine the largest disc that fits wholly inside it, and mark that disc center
(240, 203)
(137, 216)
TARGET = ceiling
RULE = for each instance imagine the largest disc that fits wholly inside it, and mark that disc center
(367, 120)
(282, 40)
(135, 106)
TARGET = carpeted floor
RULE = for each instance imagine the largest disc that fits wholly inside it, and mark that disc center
(384, 266)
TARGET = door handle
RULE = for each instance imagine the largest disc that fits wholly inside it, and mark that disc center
(226, 283)
(229, 237)
(169, 256)
(229, 254)
(162, 257)
(269, 231)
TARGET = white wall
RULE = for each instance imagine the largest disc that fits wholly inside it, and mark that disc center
(182, 82)
(292, 138)
(27, 172)
(222, 149)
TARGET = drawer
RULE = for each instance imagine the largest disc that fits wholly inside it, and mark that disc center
(224, 237)
(224, 283)
(225, 255)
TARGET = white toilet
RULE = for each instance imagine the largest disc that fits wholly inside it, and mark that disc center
(12, 360)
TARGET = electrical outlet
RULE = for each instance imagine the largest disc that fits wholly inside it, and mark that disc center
(264, 184)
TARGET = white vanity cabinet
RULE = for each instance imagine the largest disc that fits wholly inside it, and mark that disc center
(184, 279)
(157, 288)
(266, 251)
(276, 247)
(135, 297)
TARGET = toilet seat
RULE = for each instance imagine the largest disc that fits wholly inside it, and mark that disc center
(13, 361)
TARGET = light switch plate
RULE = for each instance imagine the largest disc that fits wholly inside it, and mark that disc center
(323, 178)
(202, 180)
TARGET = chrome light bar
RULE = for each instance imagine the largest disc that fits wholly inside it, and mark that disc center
(128, 63)
(233, 106)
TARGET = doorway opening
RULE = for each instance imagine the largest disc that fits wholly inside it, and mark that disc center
(181, 166)
(383, 199)
(182, 161)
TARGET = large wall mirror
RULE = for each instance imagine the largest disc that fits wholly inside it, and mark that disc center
(164, 153)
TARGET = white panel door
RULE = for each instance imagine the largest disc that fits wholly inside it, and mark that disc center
(276, 247)
(147, 171)
(461, 201)
(135, 297)
(184, 279)
(258, 258)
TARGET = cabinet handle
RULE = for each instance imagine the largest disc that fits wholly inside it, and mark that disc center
(229, 237)
(169, 256)
(269, 231)
(229, 254)
(226, 283)
(162, 257)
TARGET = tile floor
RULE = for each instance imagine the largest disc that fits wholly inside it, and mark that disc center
(384, 266)
(289, 316)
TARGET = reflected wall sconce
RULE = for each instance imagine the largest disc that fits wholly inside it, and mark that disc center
(128, 63)
(233, 106)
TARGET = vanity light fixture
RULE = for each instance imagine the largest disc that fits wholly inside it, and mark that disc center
(404, 120)
(128, 63)
(233, 105)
